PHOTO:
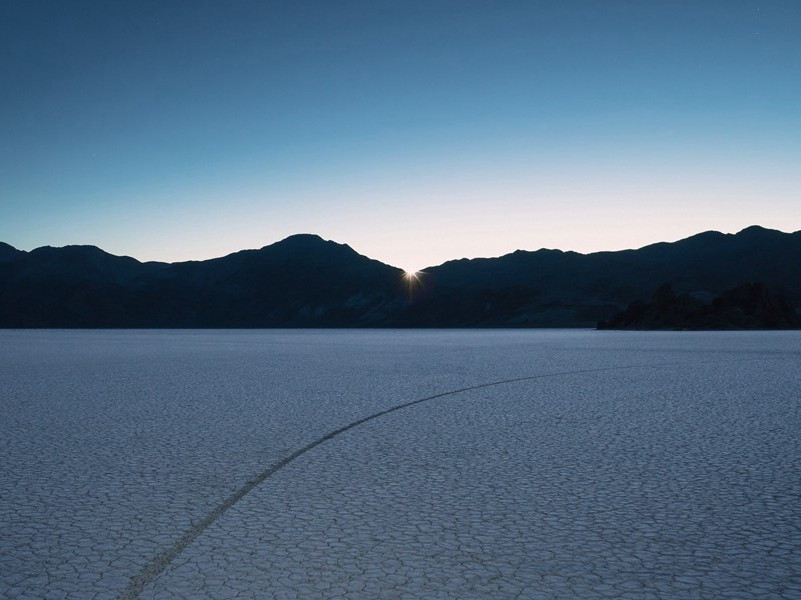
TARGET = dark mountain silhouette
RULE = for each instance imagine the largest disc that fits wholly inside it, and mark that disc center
(305, 281)
(555, 288)
(8, 252)
(302, 281)
(749, 306)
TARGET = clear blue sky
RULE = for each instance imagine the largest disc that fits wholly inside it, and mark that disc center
(414, 131)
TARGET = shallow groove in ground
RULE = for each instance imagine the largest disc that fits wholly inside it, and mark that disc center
(161, 561)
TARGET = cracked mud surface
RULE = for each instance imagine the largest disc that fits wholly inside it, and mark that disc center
(679, 480)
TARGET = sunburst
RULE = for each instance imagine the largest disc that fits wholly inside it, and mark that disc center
(412, 279)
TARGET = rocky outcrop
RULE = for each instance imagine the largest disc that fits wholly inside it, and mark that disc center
(748, 306)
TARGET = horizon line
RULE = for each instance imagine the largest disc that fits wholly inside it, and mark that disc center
(315, 235)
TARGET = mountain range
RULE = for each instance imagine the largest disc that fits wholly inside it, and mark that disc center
(305, 281)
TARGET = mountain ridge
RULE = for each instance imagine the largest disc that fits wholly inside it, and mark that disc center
(304, 280)
(4, 246)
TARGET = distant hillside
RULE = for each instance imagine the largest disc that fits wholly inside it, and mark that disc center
(302, 281)
(749, 306)
(305, 281)
(555, 288)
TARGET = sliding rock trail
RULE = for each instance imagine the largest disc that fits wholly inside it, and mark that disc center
(160, 562)
(284, 464)
(588, 486)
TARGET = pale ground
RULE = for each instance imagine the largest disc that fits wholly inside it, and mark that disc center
(681, 479)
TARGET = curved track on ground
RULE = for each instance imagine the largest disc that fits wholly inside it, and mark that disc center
(160, 562)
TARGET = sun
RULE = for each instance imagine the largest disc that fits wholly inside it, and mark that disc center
(412, 280)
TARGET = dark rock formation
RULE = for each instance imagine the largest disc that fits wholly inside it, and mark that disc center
(748, 306)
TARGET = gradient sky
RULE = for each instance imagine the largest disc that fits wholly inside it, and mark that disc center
(414, 131)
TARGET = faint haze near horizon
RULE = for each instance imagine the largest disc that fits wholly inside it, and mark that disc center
(415, 132)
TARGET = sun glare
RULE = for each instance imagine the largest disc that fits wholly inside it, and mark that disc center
(412, 279)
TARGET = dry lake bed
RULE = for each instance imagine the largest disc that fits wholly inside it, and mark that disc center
(528, 464)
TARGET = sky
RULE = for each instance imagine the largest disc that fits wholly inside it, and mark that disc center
(414, 131)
